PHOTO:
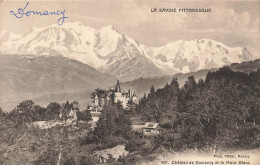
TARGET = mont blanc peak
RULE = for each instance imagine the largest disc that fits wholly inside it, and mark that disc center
(112, 52)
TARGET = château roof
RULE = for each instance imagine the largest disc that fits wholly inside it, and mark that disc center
(128, 95)
(117, 88)
(96, 97)
(134, 94)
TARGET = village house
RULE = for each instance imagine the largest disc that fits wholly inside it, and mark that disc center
(69, 116)
(95, 110)
(72, 117)
(151, 129)
(95, 116)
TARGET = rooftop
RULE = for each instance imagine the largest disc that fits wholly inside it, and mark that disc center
(151, 125)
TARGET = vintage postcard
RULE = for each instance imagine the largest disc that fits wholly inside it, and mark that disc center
(129, 82)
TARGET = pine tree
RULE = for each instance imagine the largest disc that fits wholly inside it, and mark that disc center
(152, 90)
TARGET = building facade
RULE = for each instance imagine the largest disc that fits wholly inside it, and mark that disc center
(128, 99)
(151, 129)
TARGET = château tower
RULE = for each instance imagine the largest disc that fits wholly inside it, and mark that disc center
(134, 98)
(118, 93)
(96, 101)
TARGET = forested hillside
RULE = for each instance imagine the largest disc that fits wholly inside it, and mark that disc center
(218, 114)
(142, 85)
(223, 111)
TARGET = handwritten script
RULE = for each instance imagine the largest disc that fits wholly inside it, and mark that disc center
(21, 12)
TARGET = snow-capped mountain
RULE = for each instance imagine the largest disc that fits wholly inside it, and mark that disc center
(190, 56)
(112, 52)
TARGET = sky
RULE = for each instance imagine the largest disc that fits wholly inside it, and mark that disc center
(234, 23)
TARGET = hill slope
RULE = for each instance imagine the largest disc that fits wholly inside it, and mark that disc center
(143, 85)
(40, 77)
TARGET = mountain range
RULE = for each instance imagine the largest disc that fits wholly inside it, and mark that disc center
(55, 64)
(109, 51)
(46, 79)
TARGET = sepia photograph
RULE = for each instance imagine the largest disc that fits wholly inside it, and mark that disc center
(130, 82)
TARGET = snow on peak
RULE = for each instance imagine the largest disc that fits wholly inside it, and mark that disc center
(107, 39)
(100, 47)
(193, 55)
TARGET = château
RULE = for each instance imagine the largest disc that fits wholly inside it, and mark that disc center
(128, 99)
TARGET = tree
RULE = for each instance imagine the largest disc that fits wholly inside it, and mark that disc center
(84, 115)
(75, 105)
(53, 111)
(2, 113)
(67, 105)
(87, 160)
(25, 112)
(112, 128)
(190, 84)
(152, 90)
